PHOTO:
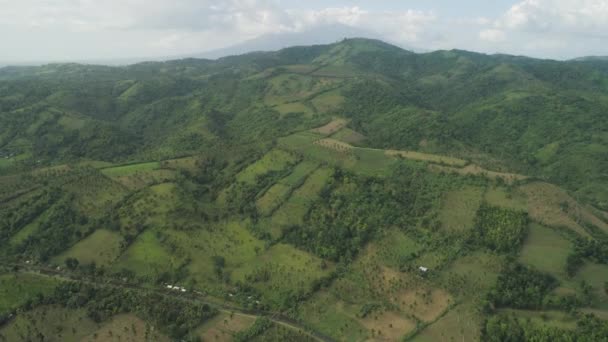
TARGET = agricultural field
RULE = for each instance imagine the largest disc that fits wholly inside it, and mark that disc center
(224, 326)
(542, 242)
(16, 289)
(554, 207)
(102, 248)
(431, 158)
(328, 101)
(349, 136)
(331, 127)
(146, 256)
(54, 323)
(282, 272)
(459, 208)
(293, 210)
(127, 328)
(475, 170)
(461, 323)
(275, 160)
(127, 170)
(505, 198)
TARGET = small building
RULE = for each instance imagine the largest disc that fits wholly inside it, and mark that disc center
(423, 269)
(169, 286)
(183, 289)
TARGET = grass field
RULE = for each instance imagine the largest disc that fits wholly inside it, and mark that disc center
(126, 328)
(281, 272)
(476, 170)
(503, 198)
(293, 210)
(102, 248)
(294, 107)
(546, 205)
(279, 192)
(16, 289)
(395, 249)
(126, 170)
(461, 323)
(459, 208)
(348, 136)
(472, 275)
(331, 127)
(546, 250)
(275, 160)
(223, 327)
(594, 275)
(146, 256)
(56, 324)
(431, 158)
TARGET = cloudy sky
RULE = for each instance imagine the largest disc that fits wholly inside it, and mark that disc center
(58, 30)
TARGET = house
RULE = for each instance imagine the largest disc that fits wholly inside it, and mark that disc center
(423, 269)
(183, 289)
(169, 287)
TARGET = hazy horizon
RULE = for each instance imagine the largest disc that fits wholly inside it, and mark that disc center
(35, 32)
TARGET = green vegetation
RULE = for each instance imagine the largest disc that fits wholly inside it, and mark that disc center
(354, 189)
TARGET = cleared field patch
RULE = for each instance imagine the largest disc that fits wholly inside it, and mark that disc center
(432, 158)
(278, 193)
(476, 170)
(546, 250)
(459, 208)
(55, 323)
(223, 327)
(126, 328)
(280, 272)
(460, 324)
(328, 101)
(141, 179)
(388, 326)
(349, 136)
(275, 160)
(231, 241)
(333, 317)
(551, 206)
(27, 231)
(472, 275)
(186, 163)
(335, 145)
(426, 304)
(594, 275)
(294, 107)
(395, 249)
(126, 170)
(336, 71)
(146, 256)
(503, 198)
(272, 198)
(16, 289)
(102, 248)
(332, 127)
(300, 68)
(293, 210)
(285, 88)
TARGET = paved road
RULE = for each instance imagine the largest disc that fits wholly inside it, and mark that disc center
(275, 317)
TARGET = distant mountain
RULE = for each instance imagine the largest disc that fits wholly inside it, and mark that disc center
(272, 42)
(592, 59)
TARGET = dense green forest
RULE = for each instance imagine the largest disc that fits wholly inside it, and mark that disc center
(352, 191)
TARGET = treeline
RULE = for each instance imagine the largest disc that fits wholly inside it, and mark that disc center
(177, 318)
(501, 230)
(504, 328)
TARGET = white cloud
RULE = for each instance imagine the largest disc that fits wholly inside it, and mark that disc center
(492, 35)
(580, 17)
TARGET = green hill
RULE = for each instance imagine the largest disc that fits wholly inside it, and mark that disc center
(297, 194)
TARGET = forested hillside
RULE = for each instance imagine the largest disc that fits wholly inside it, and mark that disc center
(349, 191)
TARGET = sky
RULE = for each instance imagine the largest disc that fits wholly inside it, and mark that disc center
(77, 30)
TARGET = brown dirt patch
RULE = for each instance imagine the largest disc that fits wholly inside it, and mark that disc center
(552, 206)
(426, 304)
(331, 127)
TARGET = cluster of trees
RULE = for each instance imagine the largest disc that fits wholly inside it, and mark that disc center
(501, 230)
(177, 318)
(503, 328)
(595, 250)
(521, 287)
(352, 208)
